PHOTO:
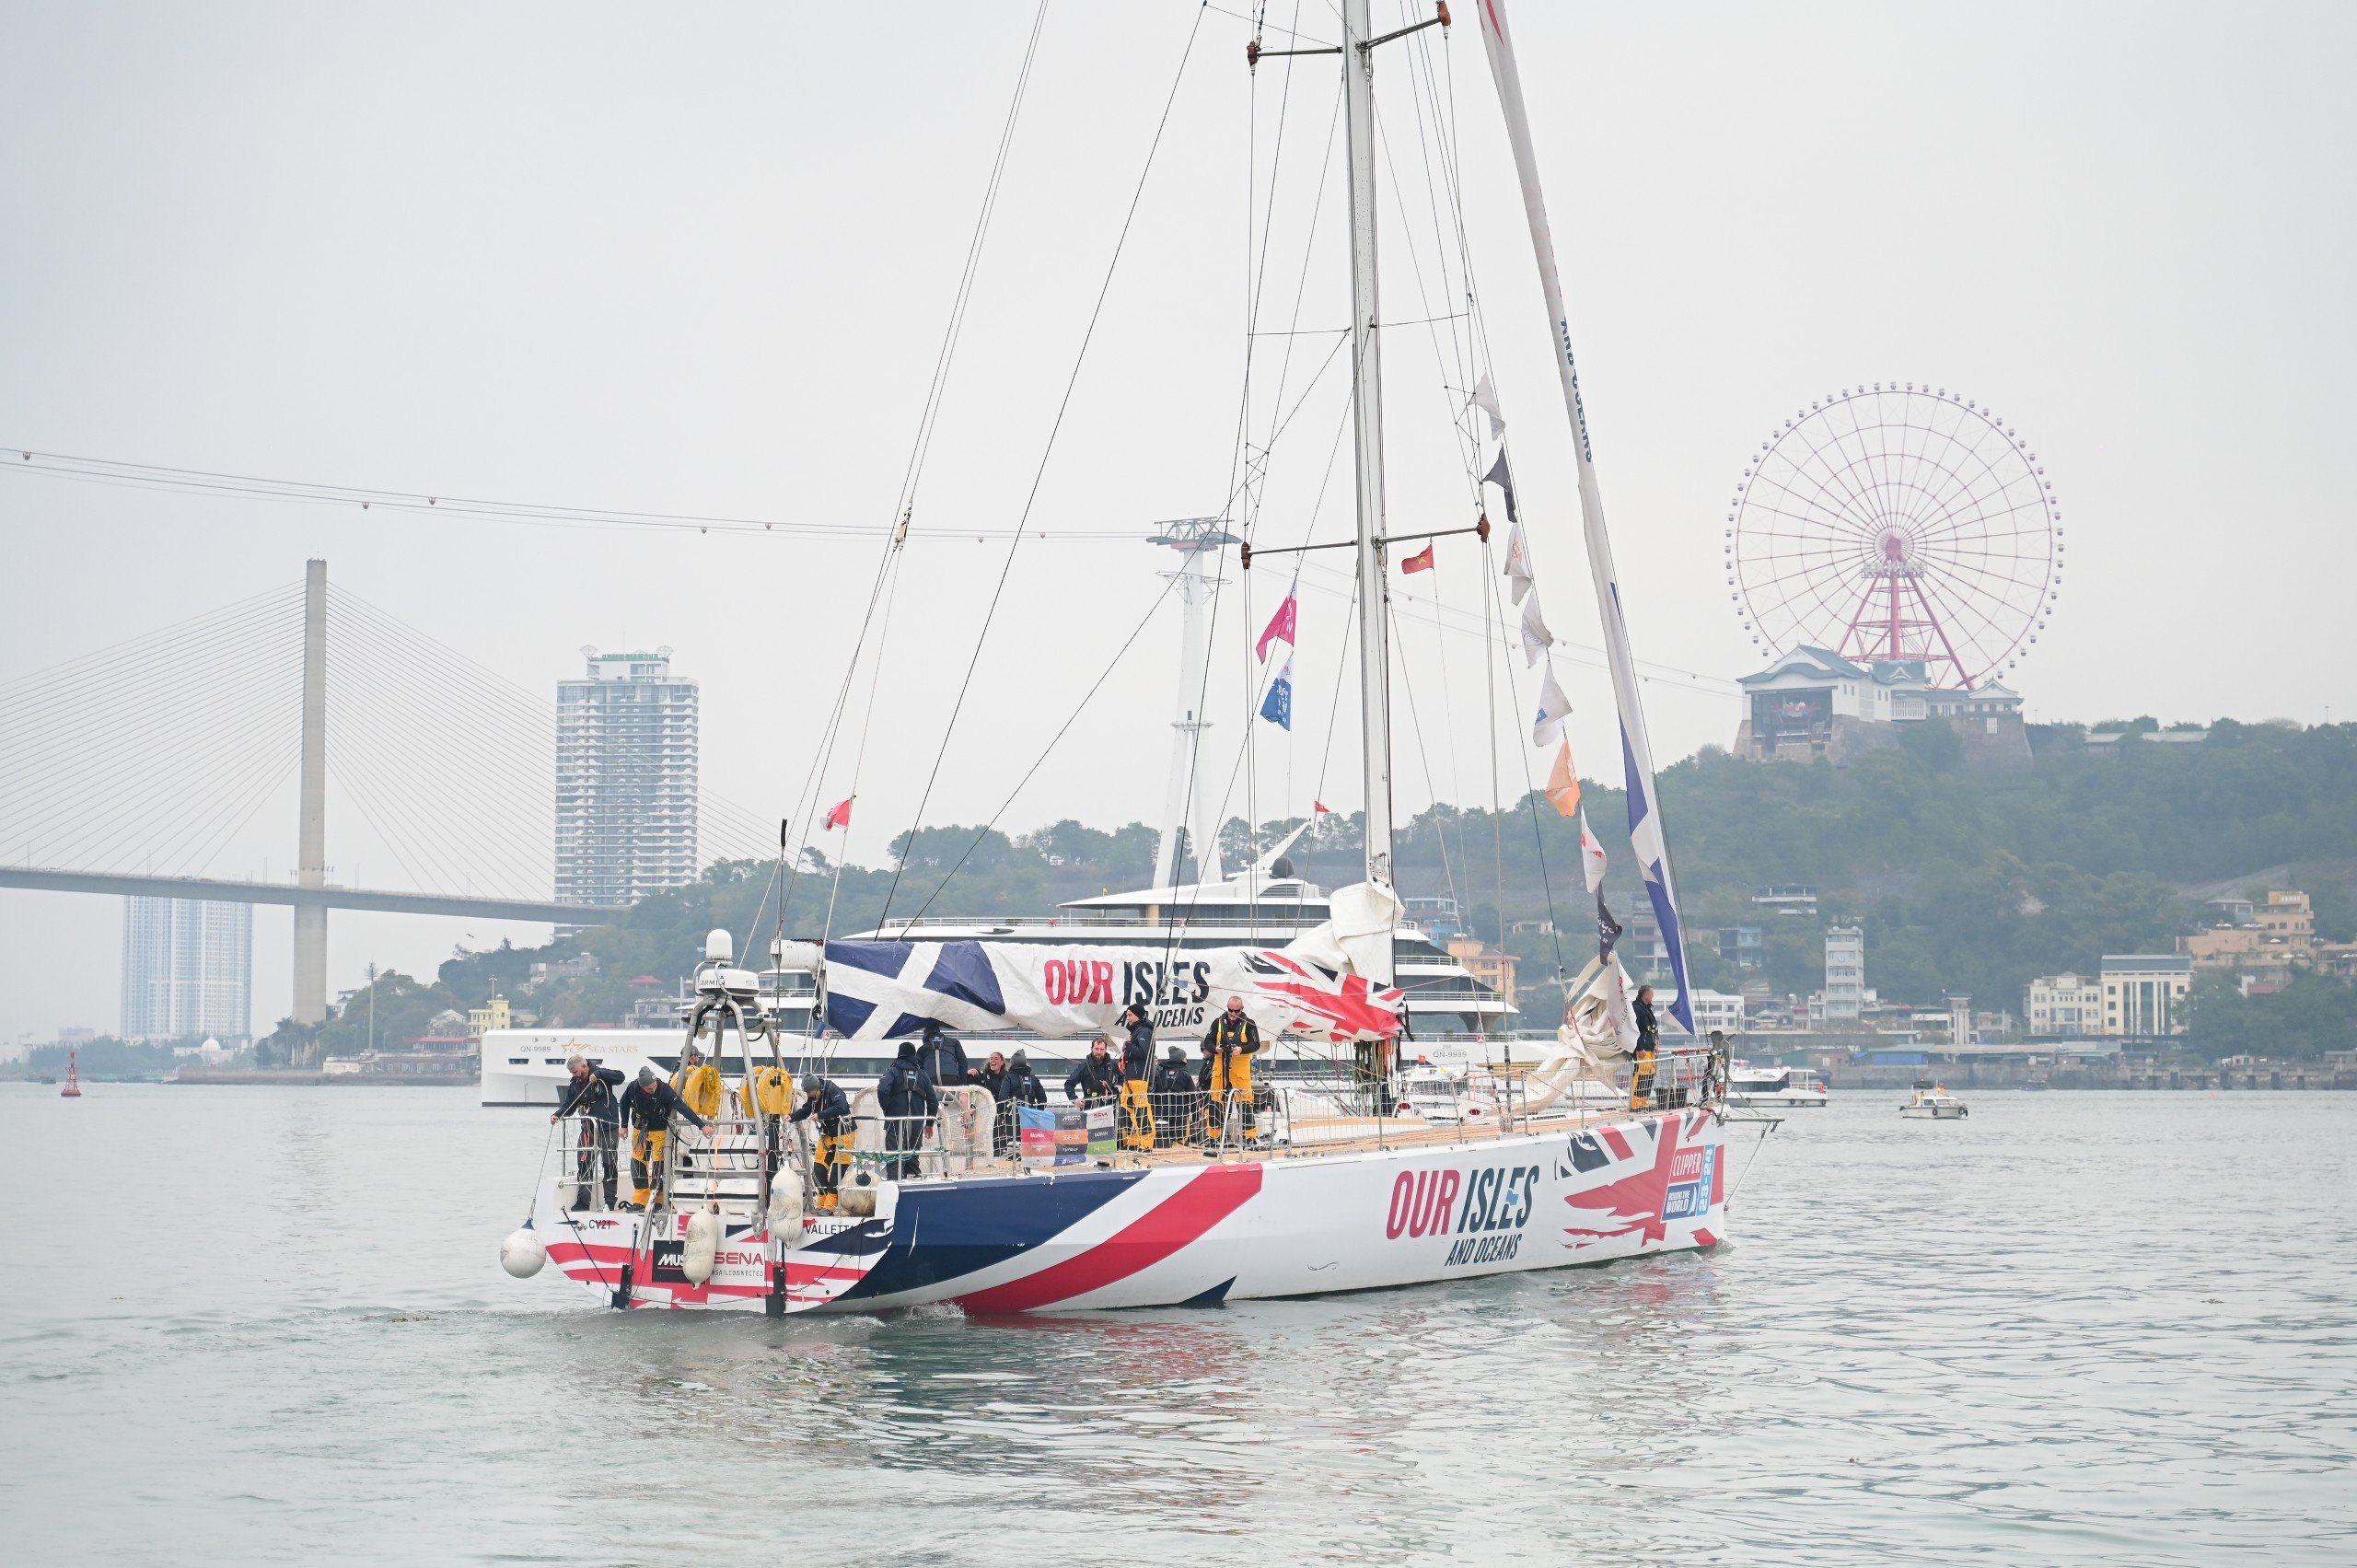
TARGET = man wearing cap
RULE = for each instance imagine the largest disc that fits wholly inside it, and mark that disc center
(822, 1100)
(1137, 1070)
(591, 1098)
(1176, 1097)
(647, 1107)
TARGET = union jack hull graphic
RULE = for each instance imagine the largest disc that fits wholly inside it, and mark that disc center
(1169, 1234)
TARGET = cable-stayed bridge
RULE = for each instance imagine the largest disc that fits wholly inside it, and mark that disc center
(155, 767)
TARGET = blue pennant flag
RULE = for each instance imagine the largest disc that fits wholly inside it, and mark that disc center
(1277, 706)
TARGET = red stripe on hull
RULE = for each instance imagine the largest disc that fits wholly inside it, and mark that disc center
(1181, 1218)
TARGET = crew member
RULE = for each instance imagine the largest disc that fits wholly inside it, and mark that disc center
(1023, 1084)
(993, 1076)
(906, 1096)
(1175, 1095)
(649, 1105)
(1137, 1070)
(822, 1100)
(698, 1083)
(592, 1099)
(1230, 1044)
(1098, 1079)
(943, 1057)
(1641, 1087)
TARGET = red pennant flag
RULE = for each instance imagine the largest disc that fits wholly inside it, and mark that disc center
(1280, 625)
(1420, 561)
(1323, 809)
(838, 816)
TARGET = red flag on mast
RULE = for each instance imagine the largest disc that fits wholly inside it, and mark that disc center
(839, 815)
(1420, 561)
(1280, 625)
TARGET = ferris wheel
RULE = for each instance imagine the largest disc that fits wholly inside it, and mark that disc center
(1897, 522)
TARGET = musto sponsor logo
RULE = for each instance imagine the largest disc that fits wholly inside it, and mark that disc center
(1688, 1195)
(1487, 1228)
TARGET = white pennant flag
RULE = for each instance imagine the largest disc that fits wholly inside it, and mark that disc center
(1536, 638)
(1518, 562)
(1485, 398)
(1591, 857)
(1547, 729)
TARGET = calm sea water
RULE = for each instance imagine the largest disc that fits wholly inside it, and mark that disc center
(264, 1325)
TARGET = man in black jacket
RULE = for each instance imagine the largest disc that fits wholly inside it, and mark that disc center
(1641, 1083)
(822, 1100)
(1137, 1070)
(943, 1057)
(906, 1096)
(1098, 1079)
(1176, 1097)
(649, 1105)
(591, 1096)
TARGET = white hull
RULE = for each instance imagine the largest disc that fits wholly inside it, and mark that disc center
(1168, 1232)
(1933, 1112)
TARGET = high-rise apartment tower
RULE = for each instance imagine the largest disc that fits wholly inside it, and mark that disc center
(188, 969)
(625, 780)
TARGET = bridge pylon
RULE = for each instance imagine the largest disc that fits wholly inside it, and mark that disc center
(311, 919)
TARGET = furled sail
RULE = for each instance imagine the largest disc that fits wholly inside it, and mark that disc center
(1636, 754)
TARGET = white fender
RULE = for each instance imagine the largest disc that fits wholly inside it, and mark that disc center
(702, 1243)
(521, 1254)
(785, 1205)
(857, 1196)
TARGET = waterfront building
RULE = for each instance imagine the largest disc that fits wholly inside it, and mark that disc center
(1845, 973)
(492, 1014)
(1713, 1010)
(2262, 942)
(625, 780)
(2063, 1005)
(1486, 964)
(1786, 898)
(188, 969)
(2144, 993)
(1440, 918)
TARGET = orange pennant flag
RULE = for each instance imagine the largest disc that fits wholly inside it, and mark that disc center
(1564, 785)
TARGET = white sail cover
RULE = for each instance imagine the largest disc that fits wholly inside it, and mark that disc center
(890, 989)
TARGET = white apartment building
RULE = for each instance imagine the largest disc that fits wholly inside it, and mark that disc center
(2063, 1005)
(1713, 1010)
(2144, 993)
(625, 780)
(1845, 973)
(188, 969)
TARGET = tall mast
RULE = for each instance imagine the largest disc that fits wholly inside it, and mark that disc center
(1367, 440)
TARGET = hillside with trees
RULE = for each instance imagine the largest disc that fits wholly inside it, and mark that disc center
(1964, 881)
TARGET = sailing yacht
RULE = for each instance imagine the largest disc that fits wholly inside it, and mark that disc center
(1264, 1191)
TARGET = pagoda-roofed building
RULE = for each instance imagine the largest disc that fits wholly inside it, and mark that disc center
(1815, 703)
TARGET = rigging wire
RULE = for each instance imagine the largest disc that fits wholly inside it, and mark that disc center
(1063, 405)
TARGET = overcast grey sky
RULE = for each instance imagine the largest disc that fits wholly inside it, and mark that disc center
(700, 261)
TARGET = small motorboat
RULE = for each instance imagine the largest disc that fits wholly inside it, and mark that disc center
(1750, 1085)
(1931, 1102)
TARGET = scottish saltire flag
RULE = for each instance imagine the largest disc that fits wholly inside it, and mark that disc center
(1280, 625)
(891, 990)
(1277, 706)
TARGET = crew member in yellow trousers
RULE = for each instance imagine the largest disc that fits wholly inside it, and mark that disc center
(1230, 1044)
(1137, 1071)
(822, 1100)
(647, 1108)
(1641, 1083)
